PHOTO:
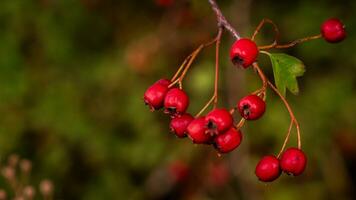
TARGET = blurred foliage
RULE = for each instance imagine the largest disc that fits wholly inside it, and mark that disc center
(72, 77)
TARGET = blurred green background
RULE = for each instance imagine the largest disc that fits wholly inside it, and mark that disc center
(73, 74)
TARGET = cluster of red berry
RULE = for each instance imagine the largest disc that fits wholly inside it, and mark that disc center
(217, 127)
(293, 161)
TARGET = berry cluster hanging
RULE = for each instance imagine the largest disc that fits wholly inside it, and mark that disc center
(217, 127)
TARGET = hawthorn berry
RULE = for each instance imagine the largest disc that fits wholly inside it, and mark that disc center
(333, 30)
(251, 107)
(176, 102)
(218, 120)
(244, 52)
(155, 94)
(218, 175)
(179, 125)
(268, 169)
(179, 171)
(164, 3)
(164, 81)
(293, 161)
(228, 141)
(197, 131)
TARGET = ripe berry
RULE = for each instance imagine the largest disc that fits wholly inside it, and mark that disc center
(293, 161)
(164, 3)
(197, 131)
(333, 30)
(244, 52)
(155, 94)
(218, 175)
(179, 171)
(165, 82)
(267, 169)
(179, 125)
(176, 102)
(251, 107)
(218, 120)
(228, 141)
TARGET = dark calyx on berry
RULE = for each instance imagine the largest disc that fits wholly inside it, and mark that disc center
(237, 60)
(176, 102)
(244, 52)
(218, 121)
(228, 141)
(268, 169)
(179, 125)
(251, 107)
(154, 96)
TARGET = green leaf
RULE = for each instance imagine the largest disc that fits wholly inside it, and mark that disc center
(286, 69)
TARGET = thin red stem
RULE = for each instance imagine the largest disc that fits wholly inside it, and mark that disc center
(275, 28)
(240, 124)
(292, 116)
(180, 68)
(183, 69)
(216, 83)
(290, 44)
(286, 139)
(205, 106)
(214, 98)
(289, 110)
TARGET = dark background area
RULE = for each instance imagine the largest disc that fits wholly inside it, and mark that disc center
(73, 74)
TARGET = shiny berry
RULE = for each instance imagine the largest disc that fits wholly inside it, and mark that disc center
(155, 94)
(268, 169)
(228, 141)
(179, 125)
(293, 161)
(197, 131)
(333, 30)
(251, 107)
(218, 121)
(176, 102)
(244, 52)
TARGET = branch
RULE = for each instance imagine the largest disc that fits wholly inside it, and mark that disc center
(222, 22)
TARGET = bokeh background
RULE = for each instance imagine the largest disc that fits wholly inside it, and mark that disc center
(73, 74)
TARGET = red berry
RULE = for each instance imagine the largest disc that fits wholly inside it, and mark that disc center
(228, 141)
(179, 171)
(179, 125)
(293, 161)
(165, 82)
(218, 121)
(176, 102)
(197, 131)
(333, 30)
(244, 52)
(251, 107)
(164, 3)
(218, 175)
(155, 94)
(267, 169)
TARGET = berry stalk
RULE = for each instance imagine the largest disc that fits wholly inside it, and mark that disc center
(275, 45)
(217, 49)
